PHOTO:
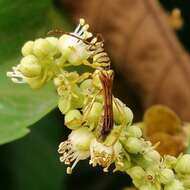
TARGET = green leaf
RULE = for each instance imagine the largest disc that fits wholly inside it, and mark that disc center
(23, 20)
(20, 106)
(34, 161)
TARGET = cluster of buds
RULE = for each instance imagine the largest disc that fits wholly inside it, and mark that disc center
(38, 63)
(101, 125)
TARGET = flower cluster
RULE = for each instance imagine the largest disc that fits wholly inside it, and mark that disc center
(38, 63)
(101, 125)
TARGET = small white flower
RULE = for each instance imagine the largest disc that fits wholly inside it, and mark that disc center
(73, 46)
(103, 155)
(76, 148)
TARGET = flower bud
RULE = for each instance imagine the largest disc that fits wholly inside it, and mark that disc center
(133, 145)
(77, 97)
(128, 115)
(29, 66)
(27, 49)
(148, 159)
(72, 76)
(70, 100)
(122, 114)
(134, 131)
(183, 164)
(174, 185)
(166, 176)
(43, 47)
(73, 119)
(136, 172)
(93, 112)
(64, 103)
(65, 78)
(54, 42)
(86, 86)
(170, 161)
(152, 156)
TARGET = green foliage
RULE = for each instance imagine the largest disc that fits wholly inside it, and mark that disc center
(31, 162)
(20, 107)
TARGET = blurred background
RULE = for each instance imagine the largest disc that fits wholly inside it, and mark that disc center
(149, 44)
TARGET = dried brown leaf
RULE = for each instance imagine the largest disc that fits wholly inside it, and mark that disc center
(172, 145)
(160, 118)
(163, 125)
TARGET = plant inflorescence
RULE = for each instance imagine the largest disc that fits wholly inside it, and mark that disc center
(101, 125)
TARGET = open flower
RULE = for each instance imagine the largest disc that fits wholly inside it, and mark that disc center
(103, 155)
(73, 46)
(80, 46)
(71, 96)
(76, 148)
